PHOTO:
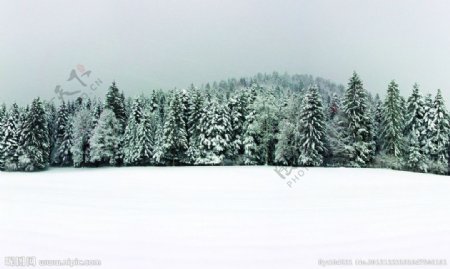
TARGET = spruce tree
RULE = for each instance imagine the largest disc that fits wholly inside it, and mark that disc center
(357, 124)
(251, 140)
(214, 134)
(81, 134)
(35, 139)
(266, 107)
(146, 134)
(9, 143)
(415, 160)
(393, 122)
(175, 137)
(335, 105)
(428, 126)
(105, 140)
(196, 113)
(415, 113)
(60, 134)
(311, 129)
(131, 138)
(115, 101)
(440, 135)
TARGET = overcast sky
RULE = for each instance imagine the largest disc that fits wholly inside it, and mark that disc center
(145, 45)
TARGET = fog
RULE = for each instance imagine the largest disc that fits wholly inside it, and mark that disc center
(145, 45)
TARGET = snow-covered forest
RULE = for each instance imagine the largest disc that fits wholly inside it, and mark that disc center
(269, 119)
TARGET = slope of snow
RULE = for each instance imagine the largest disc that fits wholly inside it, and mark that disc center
(223, 217)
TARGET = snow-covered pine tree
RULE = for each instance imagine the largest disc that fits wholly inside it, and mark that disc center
(96, 111)
(428, 116)
(215, 132)
(267, 111)
(357, 124)
(115, 101)
(286, 149)
(2, 124)
(154, 102)
(175, 137)
(65, 148)
(185, 97)
(393, 122)
(51, 114)
(105, 140)
(130, 138)
(9, 143)
(415, 160)
(146, 136)
(158, 147)
(236, 125)
(196, 112)
(2, 112)
(440, 135)
(60, 134)
(251, 138)
(82, 128)
(311, 129)
(378, 123)
(335, 105)
(415, 113)
(35, 139)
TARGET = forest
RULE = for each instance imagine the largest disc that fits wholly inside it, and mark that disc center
(268, 119)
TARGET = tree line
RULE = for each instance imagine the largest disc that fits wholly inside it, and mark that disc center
(265, 120)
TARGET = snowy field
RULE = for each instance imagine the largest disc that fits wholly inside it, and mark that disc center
(223, 217)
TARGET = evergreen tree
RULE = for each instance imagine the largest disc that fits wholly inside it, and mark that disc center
(238, 110)
(61, 127)
(105, 139)
(115, 101)
(35, 139)
(196, 113)
(2, 133)
(286, 151)
(312, 129)
(154, 102)
(9, 143)
(415, 113)
(251, 140)
(214, 134)
(393, 122)
(378, 123)
(64, 152)
(428, 126)
(81, 134)
(357, 122)
(335, 105)
(146, 133)
(175, 137)
(415, 159)
(440, 135)
(266, 109)
(131, 138)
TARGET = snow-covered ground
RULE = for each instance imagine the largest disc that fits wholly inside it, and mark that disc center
(223, 217)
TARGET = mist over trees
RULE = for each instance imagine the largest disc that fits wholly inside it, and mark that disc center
(268, 119)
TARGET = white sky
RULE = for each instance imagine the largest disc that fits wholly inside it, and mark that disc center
(165, 44)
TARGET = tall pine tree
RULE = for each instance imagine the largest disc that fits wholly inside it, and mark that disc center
(359, 134)
(35, 139)
(312, 129)
(393, 122)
